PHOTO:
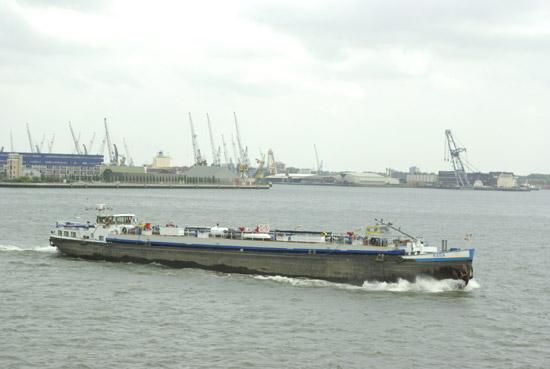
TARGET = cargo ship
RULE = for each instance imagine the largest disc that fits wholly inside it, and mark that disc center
(383, 252)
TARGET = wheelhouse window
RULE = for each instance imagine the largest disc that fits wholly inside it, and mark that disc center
(125, 219)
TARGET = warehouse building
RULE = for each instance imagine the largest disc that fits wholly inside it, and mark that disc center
(50, 166)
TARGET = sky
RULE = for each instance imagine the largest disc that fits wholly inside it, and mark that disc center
(373, 84)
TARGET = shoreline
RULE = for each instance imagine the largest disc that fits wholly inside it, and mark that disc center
(135, 185)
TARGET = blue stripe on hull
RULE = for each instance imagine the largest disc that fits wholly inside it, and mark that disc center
(257, 249)
(427, 260)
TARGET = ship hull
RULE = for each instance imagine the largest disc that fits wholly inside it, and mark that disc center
(343, 267)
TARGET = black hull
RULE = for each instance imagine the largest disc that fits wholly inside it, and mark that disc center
(352, 269)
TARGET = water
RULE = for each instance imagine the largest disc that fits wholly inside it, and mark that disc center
(60, 312)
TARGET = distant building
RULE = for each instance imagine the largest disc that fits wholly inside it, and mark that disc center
(206, 174)
(414, 170)
(197, 174)
(366, 179)
(162, 161)
(14, 166)
(422, 179)
(54, 166)
(507, 180)
(447, 179)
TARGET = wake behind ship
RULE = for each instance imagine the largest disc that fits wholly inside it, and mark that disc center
(383, 253)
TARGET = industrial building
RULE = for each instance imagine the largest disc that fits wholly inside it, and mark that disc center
(51, 166)
(193, 175)
(366, 179)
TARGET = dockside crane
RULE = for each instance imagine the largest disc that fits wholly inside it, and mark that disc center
(271, 165)
(234, 145)
(91, 144)
(113, 153)
(30, 139)
(260, 169)
(243, 152)
(50, 144)
(216, 160)
(75, 140)
(227, 158)
(199, 161)
(319, 163)
(41, 147)
(128, 157)
(455, 158)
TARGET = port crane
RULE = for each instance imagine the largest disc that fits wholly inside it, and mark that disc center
(319, 163)
(91, 144)
(128, 157)
(228, 160)
(243, 152)
(112, 150)
(199, 161)
(50, 144)
(237, 157)
(455, 158)
(40, 148)
(30, 139)
(216, 160)
(271, 165)
(75, 140)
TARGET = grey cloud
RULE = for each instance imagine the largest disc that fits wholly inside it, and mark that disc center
(450, 26)
(79, 5)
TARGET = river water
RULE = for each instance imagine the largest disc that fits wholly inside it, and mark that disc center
(60, 312)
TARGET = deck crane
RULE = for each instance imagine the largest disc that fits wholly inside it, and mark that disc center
(216, 160)
(199, 161)
(228, 160)
(30, 138)
(454, 151)
(319, 163)
(243, 152)
(75, 140)
(128, 157)
(50, 144)
(113, 159)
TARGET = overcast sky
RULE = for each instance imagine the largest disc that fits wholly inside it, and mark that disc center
(373, 84)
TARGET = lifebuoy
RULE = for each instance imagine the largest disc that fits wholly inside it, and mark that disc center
(124, 230)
